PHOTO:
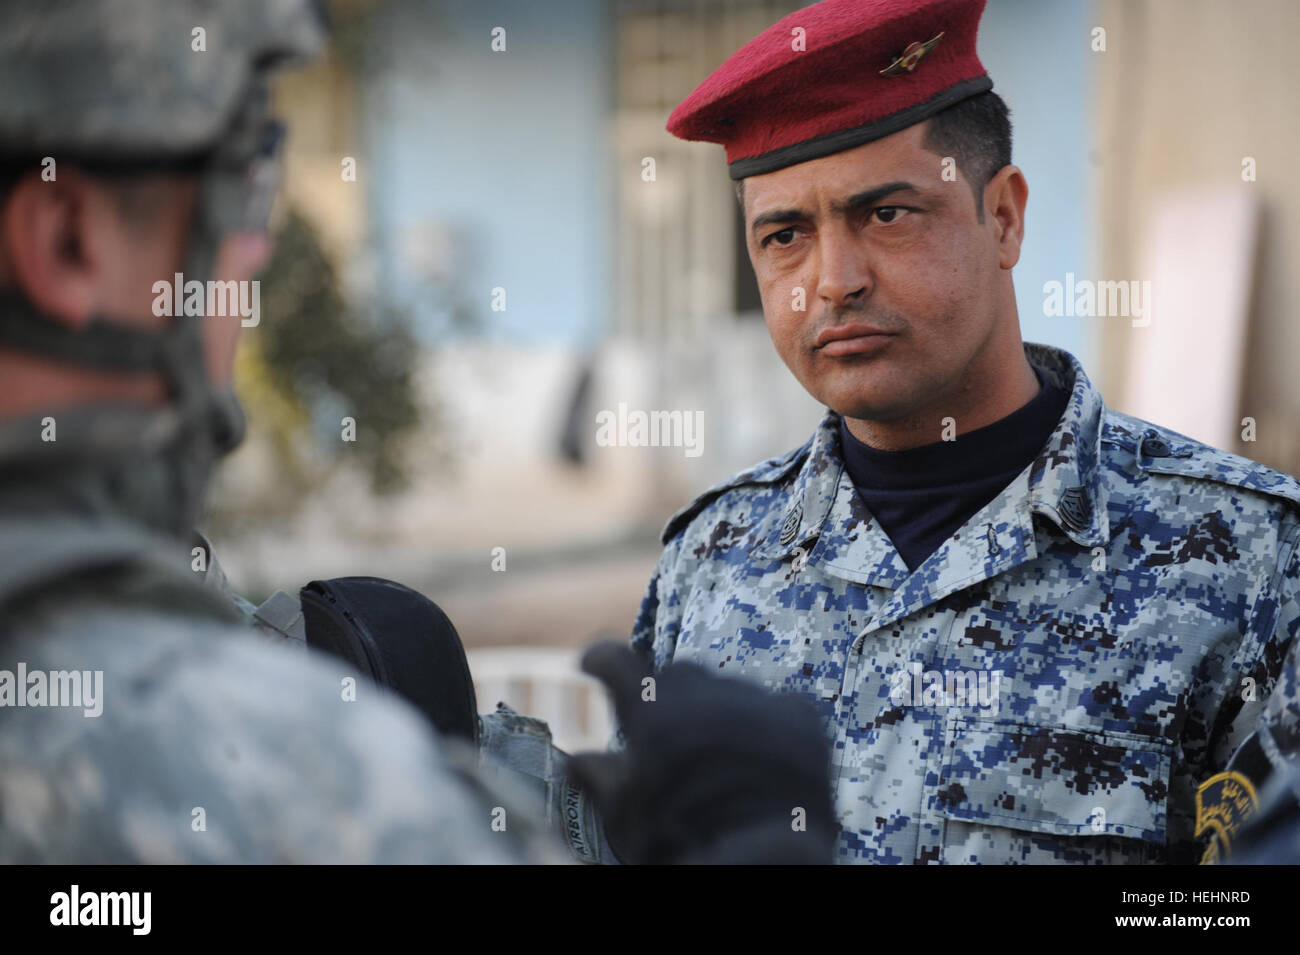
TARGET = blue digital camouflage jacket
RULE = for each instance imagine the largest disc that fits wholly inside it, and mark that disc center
(1052, 684)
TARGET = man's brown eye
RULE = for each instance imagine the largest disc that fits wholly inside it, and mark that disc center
(784, 237)
(888, 214)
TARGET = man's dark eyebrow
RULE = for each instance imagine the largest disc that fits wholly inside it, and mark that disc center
(872, 196)
(776, 216)
(868, 198)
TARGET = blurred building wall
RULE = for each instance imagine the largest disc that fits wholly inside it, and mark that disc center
(1187, 90)
(1037, 54)
(320, 101)
(490, 169)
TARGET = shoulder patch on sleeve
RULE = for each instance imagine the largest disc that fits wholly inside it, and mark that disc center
(1161, 451)
(768, 472)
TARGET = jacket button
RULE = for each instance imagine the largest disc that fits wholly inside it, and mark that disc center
(1156, 448)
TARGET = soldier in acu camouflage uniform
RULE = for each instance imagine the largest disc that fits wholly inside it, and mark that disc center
(211, 745)
(1128, 593)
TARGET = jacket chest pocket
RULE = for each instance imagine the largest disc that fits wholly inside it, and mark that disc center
(1015, 793)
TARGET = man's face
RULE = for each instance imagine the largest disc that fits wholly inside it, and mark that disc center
(901, 283)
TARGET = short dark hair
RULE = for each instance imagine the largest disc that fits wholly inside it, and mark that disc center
(975, 132)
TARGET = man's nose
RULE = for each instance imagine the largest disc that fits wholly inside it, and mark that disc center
(844, 273)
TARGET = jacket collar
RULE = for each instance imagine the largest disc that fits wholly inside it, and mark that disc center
(1065, 481)
(826, 522)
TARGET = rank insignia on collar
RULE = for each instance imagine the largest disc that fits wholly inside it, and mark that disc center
(908, 60)
(1075, 508)
(791, 526)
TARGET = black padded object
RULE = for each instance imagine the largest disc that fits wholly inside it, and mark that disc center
(399, 638)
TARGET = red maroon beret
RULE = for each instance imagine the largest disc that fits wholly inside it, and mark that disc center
(833, 76)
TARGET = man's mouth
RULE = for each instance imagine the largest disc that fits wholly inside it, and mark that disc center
(839, 341)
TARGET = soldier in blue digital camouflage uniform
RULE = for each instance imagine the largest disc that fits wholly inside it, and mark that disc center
(1034, 625)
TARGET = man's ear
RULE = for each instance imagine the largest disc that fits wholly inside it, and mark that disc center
(1005, 197)
(49, 235)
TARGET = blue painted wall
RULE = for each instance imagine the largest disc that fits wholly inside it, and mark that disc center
(509, 148)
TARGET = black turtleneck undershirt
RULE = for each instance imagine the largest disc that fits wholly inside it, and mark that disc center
(922, 495)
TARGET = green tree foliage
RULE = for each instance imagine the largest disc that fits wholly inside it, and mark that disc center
(315, 359)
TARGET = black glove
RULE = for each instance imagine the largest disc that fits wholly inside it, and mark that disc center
(716, 770)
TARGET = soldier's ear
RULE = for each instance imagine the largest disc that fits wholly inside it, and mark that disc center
(52, 237)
